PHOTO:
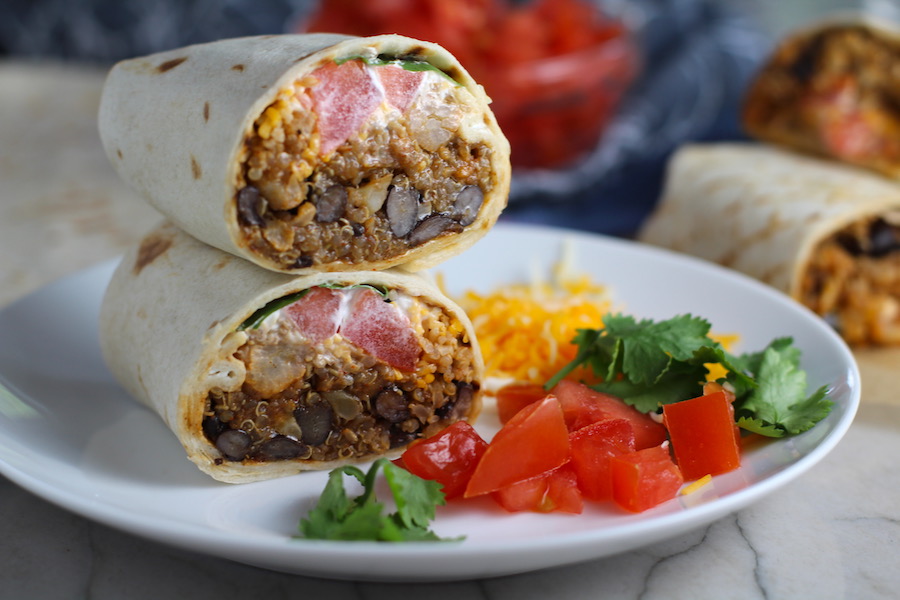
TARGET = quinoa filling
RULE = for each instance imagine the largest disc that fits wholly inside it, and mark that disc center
(360, 162)
(834, 93)
(322, 396)
(853, 281)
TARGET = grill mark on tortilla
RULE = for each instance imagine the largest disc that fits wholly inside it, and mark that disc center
(152, 247)
(206, 112)
(196, 171)
(170, 64)
(238, 67)
(119, 154)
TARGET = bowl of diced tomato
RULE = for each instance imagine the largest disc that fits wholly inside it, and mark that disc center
(554, 69)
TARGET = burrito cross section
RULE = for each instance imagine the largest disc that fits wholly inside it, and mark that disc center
(342, 373)
(311, 152)
(832, 91)
(263, 374)
(360, 160)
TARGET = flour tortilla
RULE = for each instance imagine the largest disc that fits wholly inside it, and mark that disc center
(761, 210)
(174, 123)
(168, 331)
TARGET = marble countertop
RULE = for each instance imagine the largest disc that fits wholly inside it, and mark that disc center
(832, 533)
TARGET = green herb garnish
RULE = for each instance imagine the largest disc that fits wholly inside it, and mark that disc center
(338, 517)
(260, 315)
(408, 64)
(651, 363)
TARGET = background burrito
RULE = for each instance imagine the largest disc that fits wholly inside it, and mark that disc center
(262, 374)
(833, 91)
(306, 153)
(825, 233)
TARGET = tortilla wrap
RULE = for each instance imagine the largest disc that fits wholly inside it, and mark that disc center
(311, 152)
(180, 330)
(831, 90)
(824, 233)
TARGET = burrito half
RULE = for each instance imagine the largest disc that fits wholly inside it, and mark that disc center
(826, 234)
(832, 91)
(262, 374)
(316, 152)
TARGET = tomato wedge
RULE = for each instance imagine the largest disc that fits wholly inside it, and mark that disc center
(554, 491)
(514, 397)
(704, 437)
(644, 478)
(448, 457)
(647, 432)
(534, 441)
(592, 448)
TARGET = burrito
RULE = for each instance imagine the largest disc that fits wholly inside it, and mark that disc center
(262, 374)
(824, 233)
(309, 153)
(832, 91)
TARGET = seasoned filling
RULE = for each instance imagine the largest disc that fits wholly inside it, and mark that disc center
(854, 282)
(343, 374)
(833, 93)
(361, 161)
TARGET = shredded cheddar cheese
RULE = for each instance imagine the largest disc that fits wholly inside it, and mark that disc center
(525, 330)
(693, 487)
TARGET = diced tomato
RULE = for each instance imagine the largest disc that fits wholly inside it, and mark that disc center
(647, 432)
(644, 478)
(553, 491)
(344, 97)
(400, 85)
(316, 313)
(516, 396)
(531, 443)
(704, 437)
(592, 448)
(449, 457)
(381, 329)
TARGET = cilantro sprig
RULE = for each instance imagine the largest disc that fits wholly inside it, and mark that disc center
(336, 516)
(651, 363)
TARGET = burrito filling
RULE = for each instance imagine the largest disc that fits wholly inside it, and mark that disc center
(362, 160)
(833, 93)
(853, 280)
(336, 374)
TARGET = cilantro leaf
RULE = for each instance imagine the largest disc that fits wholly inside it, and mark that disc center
(649, 347)
(416, 498)
(337, 517)
(652, 363)
(780, 397)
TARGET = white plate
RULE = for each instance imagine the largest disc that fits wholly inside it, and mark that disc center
(70, 434)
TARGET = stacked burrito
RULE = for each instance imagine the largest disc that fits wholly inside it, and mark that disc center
(813, 207)
(277, 320)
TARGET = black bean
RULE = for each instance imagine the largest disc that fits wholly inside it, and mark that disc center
(391, 405)
(399, 437)
(234, 444)
(281, 447)
(806, 63)
(250, 205)
(316, 421)
(331, 204)
(212, 427)
(850, 244)
(302, 262)
(431, 227)
(402, 207)
(882, 238)
(467, 204)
